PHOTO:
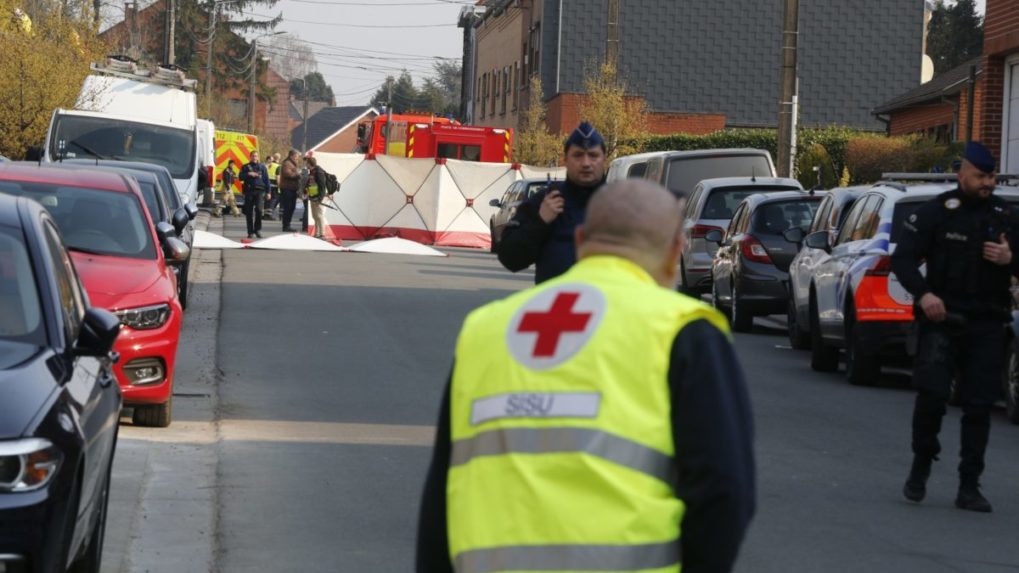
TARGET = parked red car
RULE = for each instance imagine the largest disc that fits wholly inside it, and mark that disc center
(125, 263)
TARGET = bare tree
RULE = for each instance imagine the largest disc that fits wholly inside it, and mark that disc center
(290, 57)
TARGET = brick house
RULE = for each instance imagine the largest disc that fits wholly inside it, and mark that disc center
(995, 93)
(140, 35)
(332, 129)
(939, 108)
(700, 65)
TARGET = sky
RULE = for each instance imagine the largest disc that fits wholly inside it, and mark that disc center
(359, 42)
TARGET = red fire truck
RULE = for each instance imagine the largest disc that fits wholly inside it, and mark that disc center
(431, 136)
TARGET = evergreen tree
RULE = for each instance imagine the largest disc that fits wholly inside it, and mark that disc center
(318, 89)
(955, 35)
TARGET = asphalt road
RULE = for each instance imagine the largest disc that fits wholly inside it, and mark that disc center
(308, 386)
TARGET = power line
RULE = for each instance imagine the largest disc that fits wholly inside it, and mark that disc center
(333, 24)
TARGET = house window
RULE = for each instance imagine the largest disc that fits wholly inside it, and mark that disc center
(482, 93)
(505, 89)
(516, 87)
(495, 89)
(535, 62)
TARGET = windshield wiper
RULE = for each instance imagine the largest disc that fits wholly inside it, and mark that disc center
(87, 251)
(87, 149)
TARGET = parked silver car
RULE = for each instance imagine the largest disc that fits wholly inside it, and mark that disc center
(710, 207)
(829, 218)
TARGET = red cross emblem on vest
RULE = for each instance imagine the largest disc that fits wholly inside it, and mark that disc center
(551, 325)
(555, 324)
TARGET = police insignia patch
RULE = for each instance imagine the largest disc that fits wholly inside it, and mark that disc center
(912, 218)
(952, 204)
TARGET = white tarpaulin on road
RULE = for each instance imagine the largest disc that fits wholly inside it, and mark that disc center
(395, 246)
(439, 202)
(207, 240)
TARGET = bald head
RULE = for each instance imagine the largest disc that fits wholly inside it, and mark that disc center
(637, 220)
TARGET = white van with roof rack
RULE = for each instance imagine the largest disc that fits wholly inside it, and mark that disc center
(128, 113)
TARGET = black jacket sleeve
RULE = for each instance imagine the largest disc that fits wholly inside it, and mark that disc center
(524, 236)
(712, 428)
(914, 245)
(432, 542)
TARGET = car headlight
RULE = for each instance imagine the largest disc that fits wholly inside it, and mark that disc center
(144, 317)
(27, 465)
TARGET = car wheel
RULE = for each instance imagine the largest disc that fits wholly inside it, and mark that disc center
(92, 559)
(182, 288)
(1011, 383)
(153, 415)
(798, 338)
(741, 320)
(823, 358)
(862, 369)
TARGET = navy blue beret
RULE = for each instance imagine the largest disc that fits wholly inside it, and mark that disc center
(585, 136)
(979, 156)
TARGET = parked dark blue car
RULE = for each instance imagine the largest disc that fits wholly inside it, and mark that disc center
(59, 401)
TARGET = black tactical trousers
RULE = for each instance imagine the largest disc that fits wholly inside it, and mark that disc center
(253, 211)
(972, 354)
(288, 201)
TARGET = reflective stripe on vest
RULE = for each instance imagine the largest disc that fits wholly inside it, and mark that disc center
(570, 558)
(558, 440)
(561, 431)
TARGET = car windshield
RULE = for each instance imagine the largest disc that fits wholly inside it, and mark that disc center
(686, 172)
(723, 202)
(775, 218)
(92, 221)
(105, 138)
(20, 309)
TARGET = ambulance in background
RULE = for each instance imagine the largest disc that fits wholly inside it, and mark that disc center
(128, 113)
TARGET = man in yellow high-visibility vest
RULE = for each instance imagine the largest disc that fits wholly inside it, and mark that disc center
(596, 422)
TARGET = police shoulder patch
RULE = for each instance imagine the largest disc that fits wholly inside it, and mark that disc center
(952, 203)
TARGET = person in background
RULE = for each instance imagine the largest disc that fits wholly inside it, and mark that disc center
(273, 199)
(255, 181)
(315, 192)
(290, 187)
(541, 231)
(227, 196)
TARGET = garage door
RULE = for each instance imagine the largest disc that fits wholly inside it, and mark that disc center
(1011, 135)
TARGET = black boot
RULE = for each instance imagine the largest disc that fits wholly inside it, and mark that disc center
(971, 499)
(916, 484)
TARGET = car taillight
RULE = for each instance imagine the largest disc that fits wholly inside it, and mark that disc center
(698, 231)
(882, 268)
(753, 250)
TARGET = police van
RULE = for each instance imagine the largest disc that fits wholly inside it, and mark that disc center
(126, 113)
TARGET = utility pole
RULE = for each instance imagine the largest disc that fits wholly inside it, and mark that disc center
(171, 19)
(304, 141)
(251, 86)
(612, 34)
(213, 13)
(787, 101)
(389, 113)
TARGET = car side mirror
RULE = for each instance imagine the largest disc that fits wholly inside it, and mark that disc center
(176, 251)
(714, 236)
(98, 332)
(192, 210)
(180, 220)
(495, 203)
(793, 235)
(164, 231)
(818, 240)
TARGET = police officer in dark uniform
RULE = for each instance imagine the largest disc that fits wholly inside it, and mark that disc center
(541, 231)
(966, 236)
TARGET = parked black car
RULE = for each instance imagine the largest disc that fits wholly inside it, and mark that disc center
(750, 272)
(59, 401)
(515, 194)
